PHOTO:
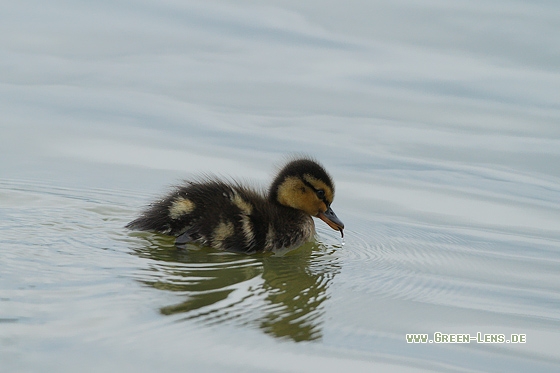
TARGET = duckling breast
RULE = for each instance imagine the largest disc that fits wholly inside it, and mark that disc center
(288, 229)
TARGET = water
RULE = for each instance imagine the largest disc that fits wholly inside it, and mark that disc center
(437, 121)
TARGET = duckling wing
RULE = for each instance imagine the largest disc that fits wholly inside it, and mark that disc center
(187, 209)
(224, 216)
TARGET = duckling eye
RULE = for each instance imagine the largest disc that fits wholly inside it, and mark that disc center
(321, 193)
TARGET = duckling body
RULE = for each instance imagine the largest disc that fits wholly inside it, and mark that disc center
(233, 217)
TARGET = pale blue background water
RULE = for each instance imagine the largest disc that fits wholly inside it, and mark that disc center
(438, 120)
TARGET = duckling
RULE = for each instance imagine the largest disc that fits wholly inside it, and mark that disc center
(230, 216)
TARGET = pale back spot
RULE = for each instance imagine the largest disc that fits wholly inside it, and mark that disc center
(221, 233)
(245, 207)
(180, 207)
(270, 237)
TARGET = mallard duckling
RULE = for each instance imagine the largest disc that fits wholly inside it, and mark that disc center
(230, 216)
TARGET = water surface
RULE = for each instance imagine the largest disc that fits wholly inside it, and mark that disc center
(437, 121)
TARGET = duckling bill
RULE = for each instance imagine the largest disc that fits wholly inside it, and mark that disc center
(230, 216)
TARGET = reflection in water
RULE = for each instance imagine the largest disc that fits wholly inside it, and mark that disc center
(282, 295)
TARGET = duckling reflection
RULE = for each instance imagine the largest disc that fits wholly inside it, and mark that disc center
(296, 289)
(282, 295)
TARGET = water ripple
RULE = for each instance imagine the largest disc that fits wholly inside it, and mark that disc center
(447, 267)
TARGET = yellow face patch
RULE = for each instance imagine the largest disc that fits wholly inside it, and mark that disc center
(181, 206)
(290, 191)
(294, 193)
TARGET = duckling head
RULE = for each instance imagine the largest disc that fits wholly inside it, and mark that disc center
(303, 184)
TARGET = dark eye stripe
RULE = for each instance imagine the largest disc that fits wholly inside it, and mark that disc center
(322, 198)
(307, 183)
